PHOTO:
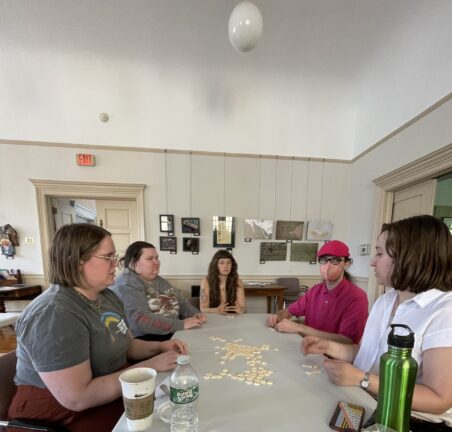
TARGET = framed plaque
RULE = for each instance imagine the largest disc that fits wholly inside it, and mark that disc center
(305, 252)
(289, 230)
(166, 223)
(273, 251)
(190, 226)
(168, 244)
(223, 231)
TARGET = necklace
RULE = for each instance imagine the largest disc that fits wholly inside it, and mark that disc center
(96, 305)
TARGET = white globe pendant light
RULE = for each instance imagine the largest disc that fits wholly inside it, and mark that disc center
(245, 26)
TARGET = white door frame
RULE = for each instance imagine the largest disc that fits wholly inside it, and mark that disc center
(87, 190)
(428, 167)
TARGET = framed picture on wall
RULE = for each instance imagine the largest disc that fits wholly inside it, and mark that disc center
(190, 244)
(167, 223)
(168, 244)
(190, 226)
(319, 230)
(289, 230)
(223, 231)
(304, 252)
(261, 229)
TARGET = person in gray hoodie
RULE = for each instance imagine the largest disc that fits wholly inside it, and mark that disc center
(154, 308)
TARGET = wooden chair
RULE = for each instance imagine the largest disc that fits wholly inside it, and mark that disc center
(7, 372)
(293, 289)
(8, 389)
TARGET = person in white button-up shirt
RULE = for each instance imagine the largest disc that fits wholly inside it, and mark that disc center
(414, 256)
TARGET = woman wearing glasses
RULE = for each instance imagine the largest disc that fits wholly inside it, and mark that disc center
(335, 309)
(73, 340)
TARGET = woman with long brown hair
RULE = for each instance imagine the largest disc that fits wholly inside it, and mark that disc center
(222, 290)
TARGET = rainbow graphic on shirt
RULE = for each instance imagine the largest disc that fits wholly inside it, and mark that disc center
(114, 323)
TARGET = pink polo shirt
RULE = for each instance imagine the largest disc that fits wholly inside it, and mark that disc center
(342, 310)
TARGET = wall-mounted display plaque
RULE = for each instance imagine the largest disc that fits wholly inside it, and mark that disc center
(223, 231)
(289, 230)
(319, 230)
(168, 244)
(306, 252)
(261, 229)
(190, 226)
(273, 251)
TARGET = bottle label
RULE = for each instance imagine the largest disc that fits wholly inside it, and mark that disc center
(184, 396)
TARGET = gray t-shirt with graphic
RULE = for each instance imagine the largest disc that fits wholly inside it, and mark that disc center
(60, 329)
(152, 308)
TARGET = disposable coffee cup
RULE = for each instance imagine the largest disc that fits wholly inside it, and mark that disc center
(138, 386)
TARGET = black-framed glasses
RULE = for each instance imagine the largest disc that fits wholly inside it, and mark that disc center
(115, 259)
(333, 260)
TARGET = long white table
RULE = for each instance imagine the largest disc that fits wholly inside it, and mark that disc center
(295, 401)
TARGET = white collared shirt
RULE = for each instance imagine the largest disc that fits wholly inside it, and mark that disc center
(428, 314)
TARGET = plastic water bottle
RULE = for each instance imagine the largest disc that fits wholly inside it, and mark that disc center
(397, 379)
(184, 391)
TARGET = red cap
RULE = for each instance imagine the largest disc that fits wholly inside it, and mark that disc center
(334, 248)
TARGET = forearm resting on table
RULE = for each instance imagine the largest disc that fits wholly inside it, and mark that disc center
(309, 331)
(141, 350)
(75, 389)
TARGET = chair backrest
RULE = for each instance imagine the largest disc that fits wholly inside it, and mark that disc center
(292, 291)
(7, 372)
(194, 301)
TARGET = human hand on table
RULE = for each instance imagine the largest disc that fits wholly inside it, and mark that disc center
(233, 309)
(163, 362)
(272, 320)
(201, 317)
(314, 345)
(174, 345)
(288, 326)
(342, 373)
(193, 321)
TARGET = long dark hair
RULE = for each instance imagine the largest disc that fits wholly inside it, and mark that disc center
(421, 250)
(213, 278)
(71, 245)
(134, 252)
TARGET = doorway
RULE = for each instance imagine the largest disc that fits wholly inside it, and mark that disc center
(116, 193)
(424, 170)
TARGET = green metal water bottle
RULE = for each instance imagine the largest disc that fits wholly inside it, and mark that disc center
(397, 379)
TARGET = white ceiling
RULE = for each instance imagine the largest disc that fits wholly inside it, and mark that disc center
(328, 79)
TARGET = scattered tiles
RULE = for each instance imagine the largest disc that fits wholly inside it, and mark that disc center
(256, 373)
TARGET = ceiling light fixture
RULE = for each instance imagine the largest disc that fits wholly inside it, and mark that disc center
(245, 26)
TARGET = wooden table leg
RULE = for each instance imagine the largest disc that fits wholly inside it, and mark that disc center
(269, 304)
(2, 306)
(280, 302)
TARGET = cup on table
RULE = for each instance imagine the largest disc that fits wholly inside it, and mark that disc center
(138, 386)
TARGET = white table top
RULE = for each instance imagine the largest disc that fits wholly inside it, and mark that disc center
(8, 318)
(295, 402)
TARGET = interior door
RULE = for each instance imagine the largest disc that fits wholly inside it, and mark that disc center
(414, 200)
(120, 218)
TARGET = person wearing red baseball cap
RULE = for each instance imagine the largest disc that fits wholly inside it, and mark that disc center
(335, 309)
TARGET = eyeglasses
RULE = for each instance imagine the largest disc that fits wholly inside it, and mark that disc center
(332, 260)
(115, 259)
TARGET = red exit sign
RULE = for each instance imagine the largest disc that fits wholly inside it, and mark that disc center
(85, 159)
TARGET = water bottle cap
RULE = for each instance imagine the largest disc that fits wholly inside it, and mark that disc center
(183, 360)
(401, 340)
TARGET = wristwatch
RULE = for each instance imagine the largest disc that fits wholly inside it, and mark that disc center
(365, 383)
